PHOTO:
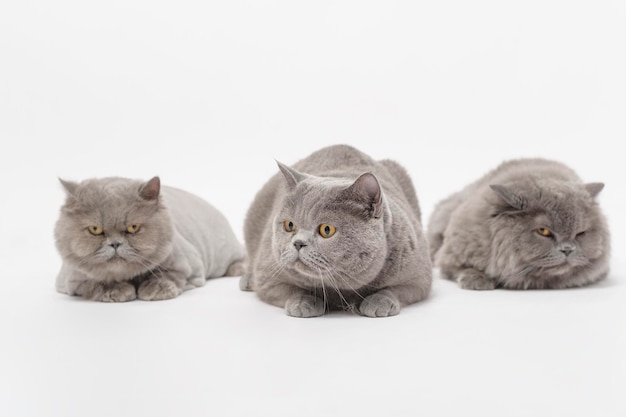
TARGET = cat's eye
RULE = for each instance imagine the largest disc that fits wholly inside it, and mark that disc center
(133, 228)
(95, 230)
(289, 226)
(327, 230)
(580, 234)
(544, 231)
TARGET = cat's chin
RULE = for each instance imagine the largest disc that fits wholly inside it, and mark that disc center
(560, 270)
(116, 269)
(302, 268)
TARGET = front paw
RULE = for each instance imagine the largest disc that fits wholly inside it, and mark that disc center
(471, 279)
(118, 292)
(245, 283)
(304, 306)
(154, 289)
(380, 304)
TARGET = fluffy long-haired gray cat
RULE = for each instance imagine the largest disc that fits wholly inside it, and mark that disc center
(122, 239)
(530, 223)
(338, 230)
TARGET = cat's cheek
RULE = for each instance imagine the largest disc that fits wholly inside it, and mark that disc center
(82, 248)
(591, 246)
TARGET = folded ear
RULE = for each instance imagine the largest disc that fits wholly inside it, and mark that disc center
(513, 199)
(594, 188)
(151, 189)
(367, 188)
(292, 176)
(69, 186)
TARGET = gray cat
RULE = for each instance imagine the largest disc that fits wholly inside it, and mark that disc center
(337, 231)
(122, 239)
(530, 223)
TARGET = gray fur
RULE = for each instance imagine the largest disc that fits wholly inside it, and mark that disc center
(486, 236)
(182, 241)
(376, 262)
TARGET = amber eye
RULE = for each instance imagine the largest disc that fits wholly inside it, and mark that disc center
(289, 226)
(544, 231)
(327, 230)
(133, 228)
(95, 230)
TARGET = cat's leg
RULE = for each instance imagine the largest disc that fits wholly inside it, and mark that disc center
(383, 303)
(63, 278)
(161, 285)
(473, 279)
(105, 291)
(388, 301)
(304, 305)
(73, 282)
(182, 270)
(236, 269)
(245, 282)
(296, 301)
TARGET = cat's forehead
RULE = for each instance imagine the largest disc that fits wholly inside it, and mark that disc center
(315, 189)
(315, 197)
(107, 189)
(109, 200)
(567, 211)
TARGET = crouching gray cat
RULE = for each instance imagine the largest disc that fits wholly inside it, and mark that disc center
(122, 239)
(530, 223)
(337, 231)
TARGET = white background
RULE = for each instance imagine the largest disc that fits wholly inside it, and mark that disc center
(206, 95)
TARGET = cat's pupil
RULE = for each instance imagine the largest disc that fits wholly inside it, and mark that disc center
(327, 230)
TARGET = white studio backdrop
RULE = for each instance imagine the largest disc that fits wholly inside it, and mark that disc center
(208, 94)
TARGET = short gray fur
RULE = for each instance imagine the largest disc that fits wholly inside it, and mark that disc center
(182, 241)
(487, 235)
(376, 262)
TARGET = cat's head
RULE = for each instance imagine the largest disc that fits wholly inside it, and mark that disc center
(113, 228)
(546, 228)
(330, 231)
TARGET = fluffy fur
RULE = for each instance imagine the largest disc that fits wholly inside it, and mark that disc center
(375, 262)
(530, 223)
(146, 241)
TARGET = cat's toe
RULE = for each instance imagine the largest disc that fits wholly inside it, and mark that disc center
(119, 293)
(470, 279)
(380, 305)
(304, 306)
(155, 289)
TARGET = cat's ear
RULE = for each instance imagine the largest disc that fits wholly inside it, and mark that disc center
(292, 176)
(368, 188)
(594, 188)
(151, 189)
(69, 186)
(509, 196)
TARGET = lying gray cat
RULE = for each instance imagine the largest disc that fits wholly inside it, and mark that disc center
(341, 231)
(122, 239)
(530, 223)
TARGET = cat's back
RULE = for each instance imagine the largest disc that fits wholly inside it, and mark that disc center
(515, 171)
(529, 168)
(189, 211)
(336, 161)
(203, 226)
